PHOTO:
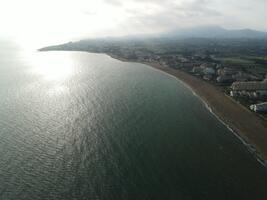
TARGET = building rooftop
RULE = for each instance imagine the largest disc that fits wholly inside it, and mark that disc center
(251, 86)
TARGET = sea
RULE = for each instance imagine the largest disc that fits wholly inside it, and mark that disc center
(78, 126)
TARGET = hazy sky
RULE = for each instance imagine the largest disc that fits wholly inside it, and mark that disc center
(53, 21)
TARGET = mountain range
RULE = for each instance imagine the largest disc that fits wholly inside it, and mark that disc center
(214, 32)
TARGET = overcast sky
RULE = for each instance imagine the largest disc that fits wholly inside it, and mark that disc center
(54, 21)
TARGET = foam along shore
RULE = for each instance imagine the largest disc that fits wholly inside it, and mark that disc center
(248, 127)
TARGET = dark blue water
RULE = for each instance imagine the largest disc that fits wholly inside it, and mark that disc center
(85, 126)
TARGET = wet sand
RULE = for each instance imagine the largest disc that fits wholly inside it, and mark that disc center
(248, 126)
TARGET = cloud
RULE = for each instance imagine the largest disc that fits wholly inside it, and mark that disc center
(114, 2)
(52, 20)
(157, 16)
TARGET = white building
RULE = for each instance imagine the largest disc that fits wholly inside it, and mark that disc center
(261, 107)
(252, 89)
(209, 71)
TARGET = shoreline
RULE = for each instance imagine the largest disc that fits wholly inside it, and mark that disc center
(249, 128)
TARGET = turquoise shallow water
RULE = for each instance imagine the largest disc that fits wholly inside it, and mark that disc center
(75, 125)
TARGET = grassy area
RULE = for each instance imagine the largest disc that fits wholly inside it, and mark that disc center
(249, 63)
(236, 61)
(257, 57)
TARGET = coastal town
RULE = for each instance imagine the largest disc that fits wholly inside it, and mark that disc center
(247, 88)
(133, 100)
(236, 67)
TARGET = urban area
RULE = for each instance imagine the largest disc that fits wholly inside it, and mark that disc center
(237, 66)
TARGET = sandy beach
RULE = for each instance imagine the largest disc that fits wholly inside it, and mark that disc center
(249, 127)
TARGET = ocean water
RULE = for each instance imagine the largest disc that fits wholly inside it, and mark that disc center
(75, 125)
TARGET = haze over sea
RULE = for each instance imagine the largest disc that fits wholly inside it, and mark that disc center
(75, 125)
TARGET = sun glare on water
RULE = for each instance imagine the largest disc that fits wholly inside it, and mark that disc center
(51, 70)
(52, 66)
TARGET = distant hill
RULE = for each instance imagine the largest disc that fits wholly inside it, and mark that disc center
(215, 32)
(201, 35)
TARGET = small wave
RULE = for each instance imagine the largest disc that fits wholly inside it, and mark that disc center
(252, 149)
